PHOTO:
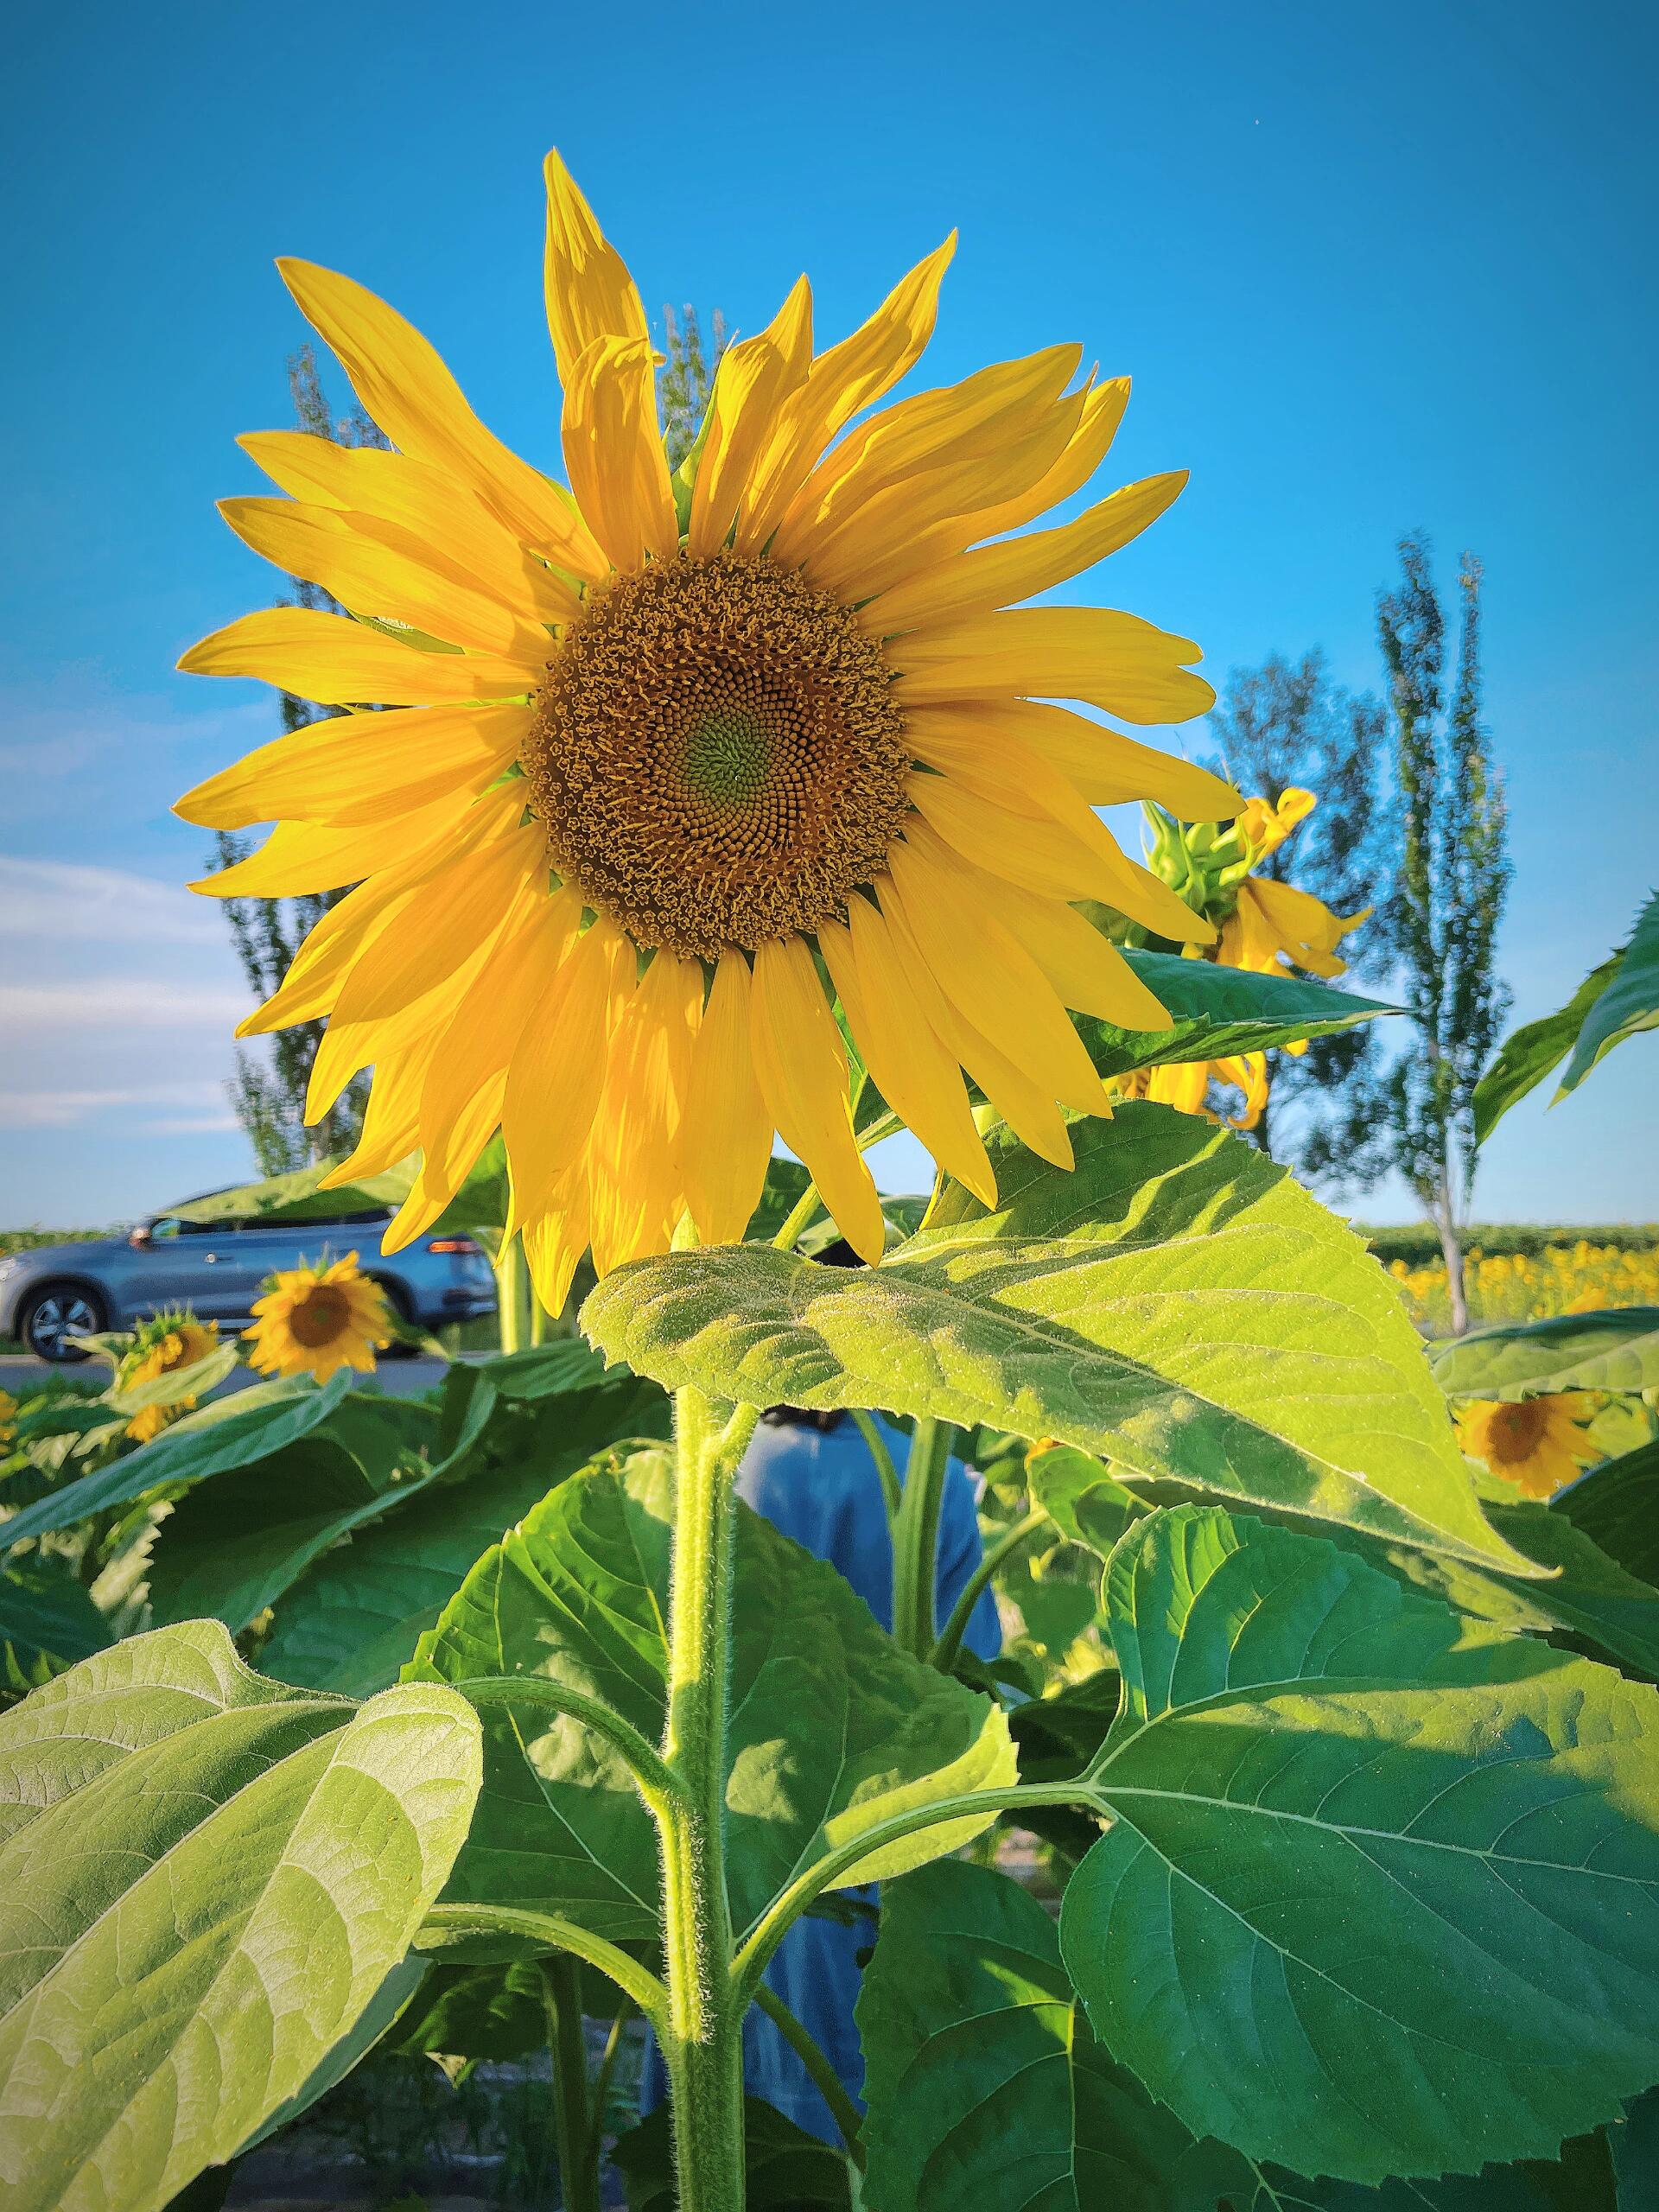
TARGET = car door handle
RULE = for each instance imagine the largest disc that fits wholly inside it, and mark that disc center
(208, 1258)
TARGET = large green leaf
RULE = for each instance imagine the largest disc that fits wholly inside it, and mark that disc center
(45, 1616)
(1216, 1012)
(1616, 1350)
(1178, 1302)
(353, 1621)
(1629, 1003)
(1381, 1895)
(190, 1451)
(987, 2092)
(1617, 1506)
(834, 1728)
(205, 1879)
(481, 1202)
(1527, 1057)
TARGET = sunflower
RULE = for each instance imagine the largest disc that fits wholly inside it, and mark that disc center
(8, 1416)
(1538, 1444)
(1275, 923)
(1184, 1084)
(163, 1345)
(316, 1320)
(669, 765)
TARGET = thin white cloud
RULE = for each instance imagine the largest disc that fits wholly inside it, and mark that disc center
(64, 901)
(36, 1010)
(192, 1125)
(60, 1109)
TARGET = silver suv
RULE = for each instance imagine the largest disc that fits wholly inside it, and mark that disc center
(50, 1296)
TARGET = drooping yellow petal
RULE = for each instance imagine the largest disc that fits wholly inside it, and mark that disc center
(755, 378)
(987, 974)
(392, 1122)
(299, 858)
(843, 381)
(915, 1074)
(590, 293)
(1019, 567)
(556, 1236)
(558, 1066)
(457, 909)
(1029, 1110)
(461, 536)
(1087, 970)
(361, 768)
(1075, 857)
(308, 990)
(801, 1065)
(1107, 767)
(405, 388)
(614, 455)
(1113, 660)
(726, 1133)
(378, 568)
(342, 663)
(631, 1153)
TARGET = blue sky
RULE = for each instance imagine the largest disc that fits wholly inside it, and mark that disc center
(1371, 268)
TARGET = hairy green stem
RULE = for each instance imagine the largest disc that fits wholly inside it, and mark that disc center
(891, 1490)
(825, 2080)
(510, 1283)
(916, 1537)
(702, 2034)
(447, 1923)
(831, 1871)
(944, 1651)
(575, 2133)
(654, 1779)
(802, 1215)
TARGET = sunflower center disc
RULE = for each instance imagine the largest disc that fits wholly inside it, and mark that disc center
(716, 755)
(1516, 1430)
(320, 1316)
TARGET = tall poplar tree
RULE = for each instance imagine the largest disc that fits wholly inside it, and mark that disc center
(1454, 875)
(268, 1089)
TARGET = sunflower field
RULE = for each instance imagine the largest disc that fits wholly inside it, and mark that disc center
(1296, 1842)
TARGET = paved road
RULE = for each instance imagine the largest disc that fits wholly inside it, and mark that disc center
(399, 1378)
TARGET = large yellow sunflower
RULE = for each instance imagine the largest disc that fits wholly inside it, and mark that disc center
(1538, 1444)
(676, 756)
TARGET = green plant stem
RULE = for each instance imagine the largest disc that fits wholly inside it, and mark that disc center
(702, 2034)
(944, 1651)
(449, 1923)
(653, 1776)
(575, 2133)
(916, 1537)
(607, 2066)
(509, 1285)
(832, 1872)
(825, 2080)
(802, 1215)
(891, 1489)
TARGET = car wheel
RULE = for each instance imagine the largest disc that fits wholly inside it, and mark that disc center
(400, 1312)
(58, 1313)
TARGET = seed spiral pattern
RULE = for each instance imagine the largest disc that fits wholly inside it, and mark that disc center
(716, 755)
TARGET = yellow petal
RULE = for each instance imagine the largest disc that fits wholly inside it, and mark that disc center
(726, 1133)
(1019, 568)
(841, 384)
(1107, 767)
(1115, 660)
(405, 388)
(1103, 411)
(558, 1062)
(590, 293)
(987, 974)
(361, 768)
(915, 1074)
(340, 662)
(556, 1236)
(384, 574)
(458, 908)
(801, 1065)
(631, 1153)
(1029, 1111)
(1089, 973)
(1070, 854)
(615, 455)
(755, 377)
(391, 1124)
(299, 858)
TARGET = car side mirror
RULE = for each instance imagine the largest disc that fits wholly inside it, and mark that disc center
(140, 1236)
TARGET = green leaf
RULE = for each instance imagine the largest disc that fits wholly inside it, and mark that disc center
(1618, 1350)
(205, 1879)
(384, 2009)
(46, 1614)
(1217, 1011)
(1635, 2155)
(834, 1728)
(1527, 1057)
(480, 1204)
(986, 2090)
(1084, 1500)
(786, 2168)
(179, 1382)
(187, 1452)
(1177, 1303)
(1381, 1892)
(354, 1619)
(1629, 1003)
(1617, 1506)
(1582, 2180)
(493, 2012)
